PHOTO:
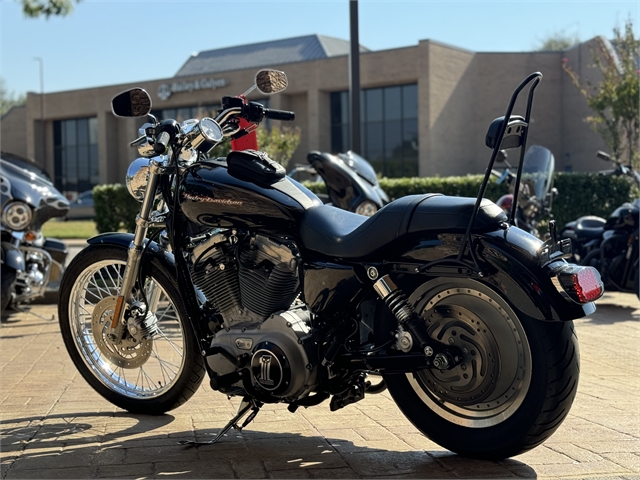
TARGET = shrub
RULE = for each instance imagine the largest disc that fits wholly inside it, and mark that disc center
(578, 193)
(115, 208)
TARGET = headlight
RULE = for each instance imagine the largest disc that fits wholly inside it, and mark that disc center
(366, 208)
(137, 178)
(17, 216)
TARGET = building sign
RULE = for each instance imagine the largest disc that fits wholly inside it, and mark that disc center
(167, 89)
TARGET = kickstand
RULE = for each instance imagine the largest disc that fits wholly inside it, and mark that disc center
(28, 310)
(246, 405)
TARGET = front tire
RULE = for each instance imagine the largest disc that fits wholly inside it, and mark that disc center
(150, 376)
(514, 386)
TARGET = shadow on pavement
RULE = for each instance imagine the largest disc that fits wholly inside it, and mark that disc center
(610, 313)
(76, 446)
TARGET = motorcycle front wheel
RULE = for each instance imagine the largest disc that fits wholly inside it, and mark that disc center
(151, 374)
(514, 385)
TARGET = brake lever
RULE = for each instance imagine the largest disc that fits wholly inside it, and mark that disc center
(138, 141)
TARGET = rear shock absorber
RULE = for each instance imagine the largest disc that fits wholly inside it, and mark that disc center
(410, 321)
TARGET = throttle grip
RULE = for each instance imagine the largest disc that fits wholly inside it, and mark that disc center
(161, 143)
(279, 114)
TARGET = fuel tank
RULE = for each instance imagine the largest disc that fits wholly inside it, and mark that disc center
(210, 195)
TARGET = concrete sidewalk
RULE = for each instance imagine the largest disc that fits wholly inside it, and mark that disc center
(53, 425)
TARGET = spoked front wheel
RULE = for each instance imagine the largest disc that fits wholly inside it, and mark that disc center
(157, 366)
(515, 382)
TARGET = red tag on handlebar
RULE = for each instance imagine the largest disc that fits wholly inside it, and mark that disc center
(247, 142)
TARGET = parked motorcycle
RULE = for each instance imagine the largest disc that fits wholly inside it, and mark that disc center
(616, 255)
(31, 264)
(252, 282)
(351, 181)
(537, 192)
(586, 233)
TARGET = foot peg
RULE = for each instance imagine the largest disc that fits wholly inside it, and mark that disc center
(246, 405)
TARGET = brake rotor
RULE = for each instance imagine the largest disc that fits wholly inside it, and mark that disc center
(126, 353)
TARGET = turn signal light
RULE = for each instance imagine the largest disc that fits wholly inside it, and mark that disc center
(582, 284)
(30, 236)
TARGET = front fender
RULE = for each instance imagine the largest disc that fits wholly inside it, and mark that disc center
(511, 258)
(12, 257)
(165, 259)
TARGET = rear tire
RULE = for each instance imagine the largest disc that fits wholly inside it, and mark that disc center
(150, 376)
(521, 373)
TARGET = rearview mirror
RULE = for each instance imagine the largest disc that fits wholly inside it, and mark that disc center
(269, 82)
(131, 103)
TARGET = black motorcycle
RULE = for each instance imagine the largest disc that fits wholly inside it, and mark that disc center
(615, 252)
(31, 264)
(536, 193)
(351, 181)
(586, 233)
(251, 281)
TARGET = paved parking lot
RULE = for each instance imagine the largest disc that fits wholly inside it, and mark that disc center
(53, 425)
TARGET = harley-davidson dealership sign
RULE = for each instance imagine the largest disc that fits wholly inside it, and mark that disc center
(165, 90)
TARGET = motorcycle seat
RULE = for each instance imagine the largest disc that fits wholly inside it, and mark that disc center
(589, 227)
(339, 233)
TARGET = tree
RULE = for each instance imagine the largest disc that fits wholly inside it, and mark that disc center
(615, 99)
(279, 143)
(35, 8)
(558, 41)
(9, 99)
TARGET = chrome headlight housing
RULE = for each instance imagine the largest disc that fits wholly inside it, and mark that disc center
(137, 178)
(366, 208)
(17, 216)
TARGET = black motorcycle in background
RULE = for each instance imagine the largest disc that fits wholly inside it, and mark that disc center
(31, 264)
(351, 181)
(586, 232)
(615, 252)
(537, 192)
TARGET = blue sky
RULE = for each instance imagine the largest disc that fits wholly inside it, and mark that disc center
(106, 42)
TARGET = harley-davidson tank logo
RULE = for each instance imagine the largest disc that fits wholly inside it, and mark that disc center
(222, 201)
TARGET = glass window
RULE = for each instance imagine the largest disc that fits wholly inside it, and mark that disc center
(76, 154)
(389, 128)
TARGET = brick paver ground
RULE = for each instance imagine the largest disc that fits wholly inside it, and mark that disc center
(53, 425)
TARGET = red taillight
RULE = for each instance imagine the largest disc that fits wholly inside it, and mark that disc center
(582, 284)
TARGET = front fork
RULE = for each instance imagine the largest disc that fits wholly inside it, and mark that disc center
(143, 222)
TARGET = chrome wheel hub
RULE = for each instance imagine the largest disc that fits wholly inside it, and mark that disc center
(494, 372)
(125, 353)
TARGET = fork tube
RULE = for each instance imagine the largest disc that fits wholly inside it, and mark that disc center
(135, 248)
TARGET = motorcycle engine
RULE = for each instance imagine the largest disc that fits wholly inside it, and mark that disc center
(253, 283)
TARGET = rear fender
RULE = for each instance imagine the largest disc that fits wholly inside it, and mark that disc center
(164, 259)
(510, 259)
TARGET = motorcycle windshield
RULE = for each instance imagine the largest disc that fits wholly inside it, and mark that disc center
(360, 165)
(537, 171)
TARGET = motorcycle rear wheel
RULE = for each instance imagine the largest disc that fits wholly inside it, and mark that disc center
(516, 382)
(149, 376)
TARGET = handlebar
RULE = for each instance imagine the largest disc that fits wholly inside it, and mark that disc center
(279, 115)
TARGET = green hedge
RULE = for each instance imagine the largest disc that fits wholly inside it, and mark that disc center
(115, 208)
(578, 194)
(589, 194)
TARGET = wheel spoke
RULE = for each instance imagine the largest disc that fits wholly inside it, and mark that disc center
(125, 368)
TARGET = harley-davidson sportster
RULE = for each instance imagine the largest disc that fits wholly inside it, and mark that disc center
(251, 281)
